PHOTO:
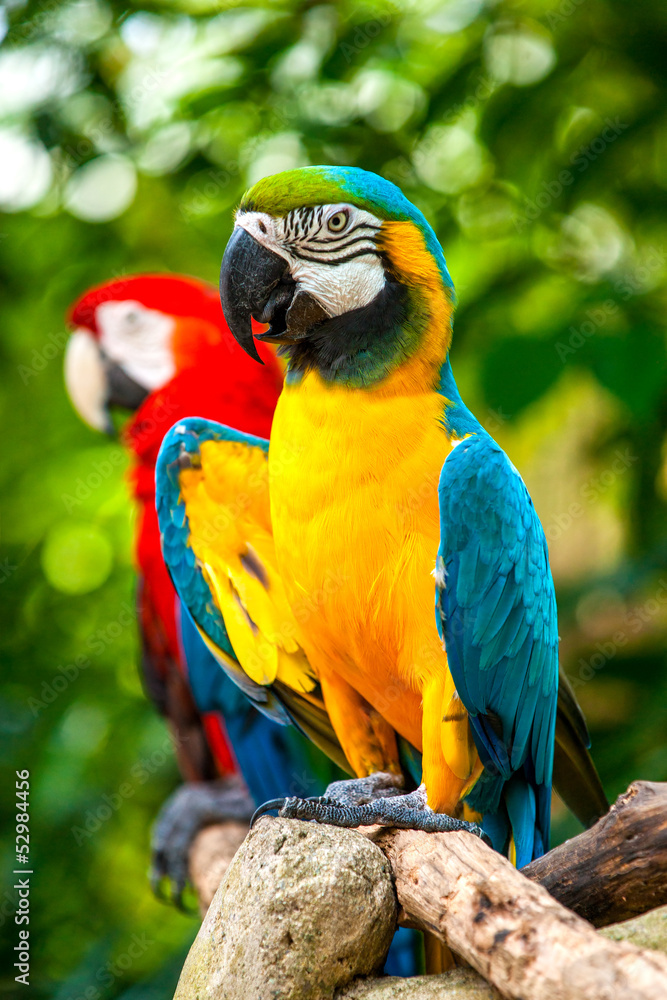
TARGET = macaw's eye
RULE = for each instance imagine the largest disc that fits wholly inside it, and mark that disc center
(133, 317)
(337, 222)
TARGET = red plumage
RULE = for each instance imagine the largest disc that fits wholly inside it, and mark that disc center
(176, 295)
(214, 379)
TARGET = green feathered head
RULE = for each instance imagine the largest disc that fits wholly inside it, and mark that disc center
(345, 269)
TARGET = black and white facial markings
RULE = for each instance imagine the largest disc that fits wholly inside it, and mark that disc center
(331, 249)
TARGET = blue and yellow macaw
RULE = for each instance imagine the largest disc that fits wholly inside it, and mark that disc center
(311, 577)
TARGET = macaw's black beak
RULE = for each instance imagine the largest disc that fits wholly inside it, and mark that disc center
(256, 283)
(248, 276)
(122, 390)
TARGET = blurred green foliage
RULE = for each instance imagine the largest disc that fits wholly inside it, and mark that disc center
(533, 134)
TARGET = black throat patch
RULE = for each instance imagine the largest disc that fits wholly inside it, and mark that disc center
(359, 347)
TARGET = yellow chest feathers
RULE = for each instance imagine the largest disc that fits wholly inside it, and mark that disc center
(328, 443)
(354, 483)
(354, 500)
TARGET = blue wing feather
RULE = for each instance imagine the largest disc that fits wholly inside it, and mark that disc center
(181, 446)
(496, 611)
(181, 449)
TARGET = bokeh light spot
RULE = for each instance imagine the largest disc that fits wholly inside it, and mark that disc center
(25, 171)
(101, 189)
(83, 729)
(76, 557)
(519, 57)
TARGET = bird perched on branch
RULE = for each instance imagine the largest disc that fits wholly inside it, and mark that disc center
(158, 345)
(388, 564)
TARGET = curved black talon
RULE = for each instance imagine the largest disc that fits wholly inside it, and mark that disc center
(266, 807)
(157, 881)
(282, 805)
(170, 889)
(187, 811)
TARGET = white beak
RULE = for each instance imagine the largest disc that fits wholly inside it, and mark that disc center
(85, 379)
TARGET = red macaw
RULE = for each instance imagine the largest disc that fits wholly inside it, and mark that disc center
(158, 345)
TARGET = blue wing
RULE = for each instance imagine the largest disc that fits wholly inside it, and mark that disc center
(302, 705)
(181, 449)
(496, 610)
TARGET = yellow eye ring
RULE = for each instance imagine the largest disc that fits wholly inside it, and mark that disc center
(337, 222)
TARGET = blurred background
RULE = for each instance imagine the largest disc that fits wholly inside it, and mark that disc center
(533, 134)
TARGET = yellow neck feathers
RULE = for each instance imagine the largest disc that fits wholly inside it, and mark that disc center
(414, 266)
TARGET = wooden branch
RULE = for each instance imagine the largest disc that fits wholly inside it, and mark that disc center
(647, 931)
(618, 868)
(211, 854)
(508, 928)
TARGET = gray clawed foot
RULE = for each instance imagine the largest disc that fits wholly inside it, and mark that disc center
(359, 791)
(367, 803)
(191, 807)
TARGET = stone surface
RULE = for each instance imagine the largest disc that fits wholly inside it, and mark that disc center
(301, 912)
(459, 984)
